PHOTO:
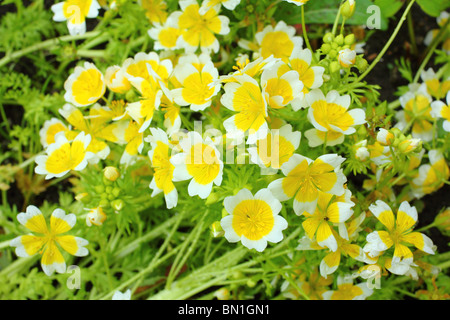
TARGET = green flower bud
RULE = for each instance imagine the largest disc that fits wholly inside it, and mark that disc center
(104, 203)
(349, 39)
(333, 54)
(99, 189)
(334, 45)
(348, 9)
(339, 39)
(117, 204)
(328, 37)
(334, 66)
(116, 192)
(361, 64)
(326, 47)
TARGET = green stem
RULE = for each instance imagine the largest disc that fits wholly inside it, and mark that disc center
(305, 35)
(412, 36)
(336, 21)
(387, 45)
(48, 44)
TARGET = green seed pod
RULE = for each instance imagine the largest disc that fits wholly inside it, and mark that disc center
(334, 66)
(332, 54)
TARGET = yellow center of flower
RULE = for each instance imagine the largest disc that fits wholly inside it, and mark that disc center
(88, 87)
(196, 88)
(168, 37)
(278, 44)
(327, 114)
(249, 101)
(67, 157)
(304, 181)
(202, 163)
(253, 219)
(199, 29)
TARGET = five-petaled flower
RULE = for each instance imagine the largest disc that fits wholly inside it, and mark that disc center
(253, 219)
(46, 242)
(399, 233)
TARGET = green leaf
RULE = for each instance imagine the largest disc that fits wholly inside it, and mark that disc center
(324, 12)
(433, 7)
(389, 7)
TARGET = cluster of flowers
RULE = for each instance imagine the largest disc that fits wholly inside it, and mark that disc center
(280, 75)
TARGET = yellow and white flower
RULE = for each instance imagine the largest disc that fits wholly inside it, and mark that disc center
(116, 81)
(85, 85)
(328, 210)
(310, 76)
(399, 233)
(199, 28)
(163, 169)
(166, 35)
(416, 112)
(64, 155)
(45, 242)
(96, 125)
(435, 87)
(199, 161)
(439, 109)
(347, 57)
(199, 82)
(278, 42)
(75, 13)
(305, 179)
(330, 263)
(280, 90)
(50, 129)
(136, 67)
(253, 220)
(331, 114)
(151, 90)
(245, 96)
(276, 148)
(431, 176)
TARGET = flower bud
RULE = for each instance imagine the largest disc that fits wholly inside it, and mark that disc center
(216, 230)
(111, 173)
(347, 57)
(334, 67)
(326, 48)
(83, 197)
(410, 145)
(96, 217)
(348, 9)
(385, 137)
(117, 204)
(328, 37)
(339, 39)
(212, 198)
(349, 39)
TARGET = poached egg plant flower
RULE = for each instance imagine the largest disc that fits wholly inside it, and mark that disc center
(75, 13)
(200, 162)
(45, 243)
(64, 155)
(253, 220)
